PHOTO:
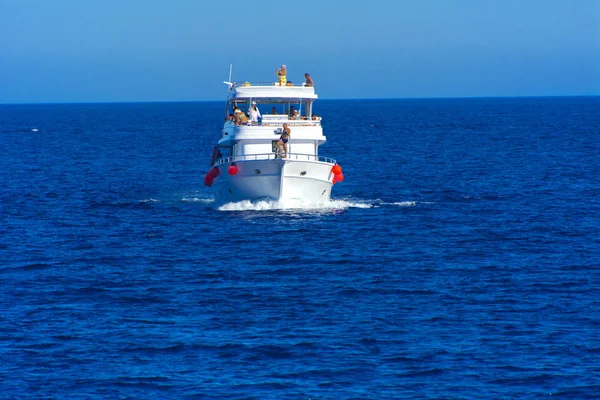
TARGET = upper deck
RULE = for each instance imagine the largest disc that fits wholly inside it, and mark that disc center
(242, 92)
(256, 112)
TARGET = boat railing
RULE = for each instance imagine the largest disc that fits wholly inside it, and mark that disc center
(277, 121)
(290, 122)
(273, 156)
(271, 83)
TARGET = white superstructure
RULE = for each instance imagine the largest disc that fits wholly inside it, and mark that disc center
(246, 164)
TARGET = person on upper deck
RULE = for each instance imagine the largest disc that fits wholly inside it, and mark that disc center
(309, 80)
(273, 110)
(281, 75)
(283, 140)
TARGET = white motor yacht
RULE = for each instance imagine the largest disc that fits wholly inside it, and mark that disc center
(247, 163)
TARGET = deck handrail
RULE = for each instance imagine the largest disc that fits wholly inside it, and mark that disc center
(273, 156)
(271, 83)
(278, 123)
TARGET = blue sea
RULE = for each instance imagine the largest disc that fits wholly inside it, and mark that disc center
(459, 258)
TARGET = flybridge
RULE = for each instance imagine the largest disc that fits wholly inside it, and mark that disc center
(270, 92)
(274, 98)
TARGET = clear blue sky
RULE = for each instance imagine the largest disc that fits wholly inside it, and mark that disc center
(180, 50)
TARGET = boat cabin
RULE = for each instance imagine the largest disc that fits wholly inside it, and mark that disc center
(243, 139)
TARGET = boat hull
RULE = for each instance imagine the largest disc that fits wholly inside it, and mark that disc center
(283, 180)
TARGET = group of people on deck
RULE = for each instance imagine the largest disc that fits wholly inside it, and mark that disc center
(282, 78)
(282, 143)
(295, 114)
(238, 117)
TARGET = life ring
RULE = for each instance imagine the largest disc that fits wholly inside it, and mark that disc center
(214, 156)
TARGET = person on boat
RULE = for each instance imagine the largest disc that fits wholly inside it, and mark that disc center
(282, 143)
(291, 113)
(282, 75)
(273, 110)
(309, 80)
(289, 83)
(240, 117)
(254, 114)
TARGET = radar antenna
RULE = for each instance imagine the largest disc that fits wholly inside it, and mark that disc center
(228, 82)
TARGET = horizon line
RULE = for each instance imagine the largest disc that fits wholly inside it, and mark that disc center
(328, 99)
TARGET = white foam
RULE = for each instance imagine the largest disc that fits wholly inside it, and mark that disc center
(293, 205)
(150, 200)
(405, 203)
(197, 200)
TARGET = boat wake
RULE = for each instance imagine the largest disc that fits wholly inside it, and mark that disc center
(403, 203)
(299, 205)
(197, 200)
(288, 205)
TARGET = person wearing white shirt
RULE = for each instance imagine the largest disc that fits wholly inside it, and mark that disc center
(254, 114)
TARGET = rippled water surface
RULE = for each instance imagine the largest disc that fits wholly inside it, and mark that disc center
(460, 258)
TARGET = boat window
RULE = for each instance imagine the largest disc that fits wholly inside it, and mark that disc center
(274, 106)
